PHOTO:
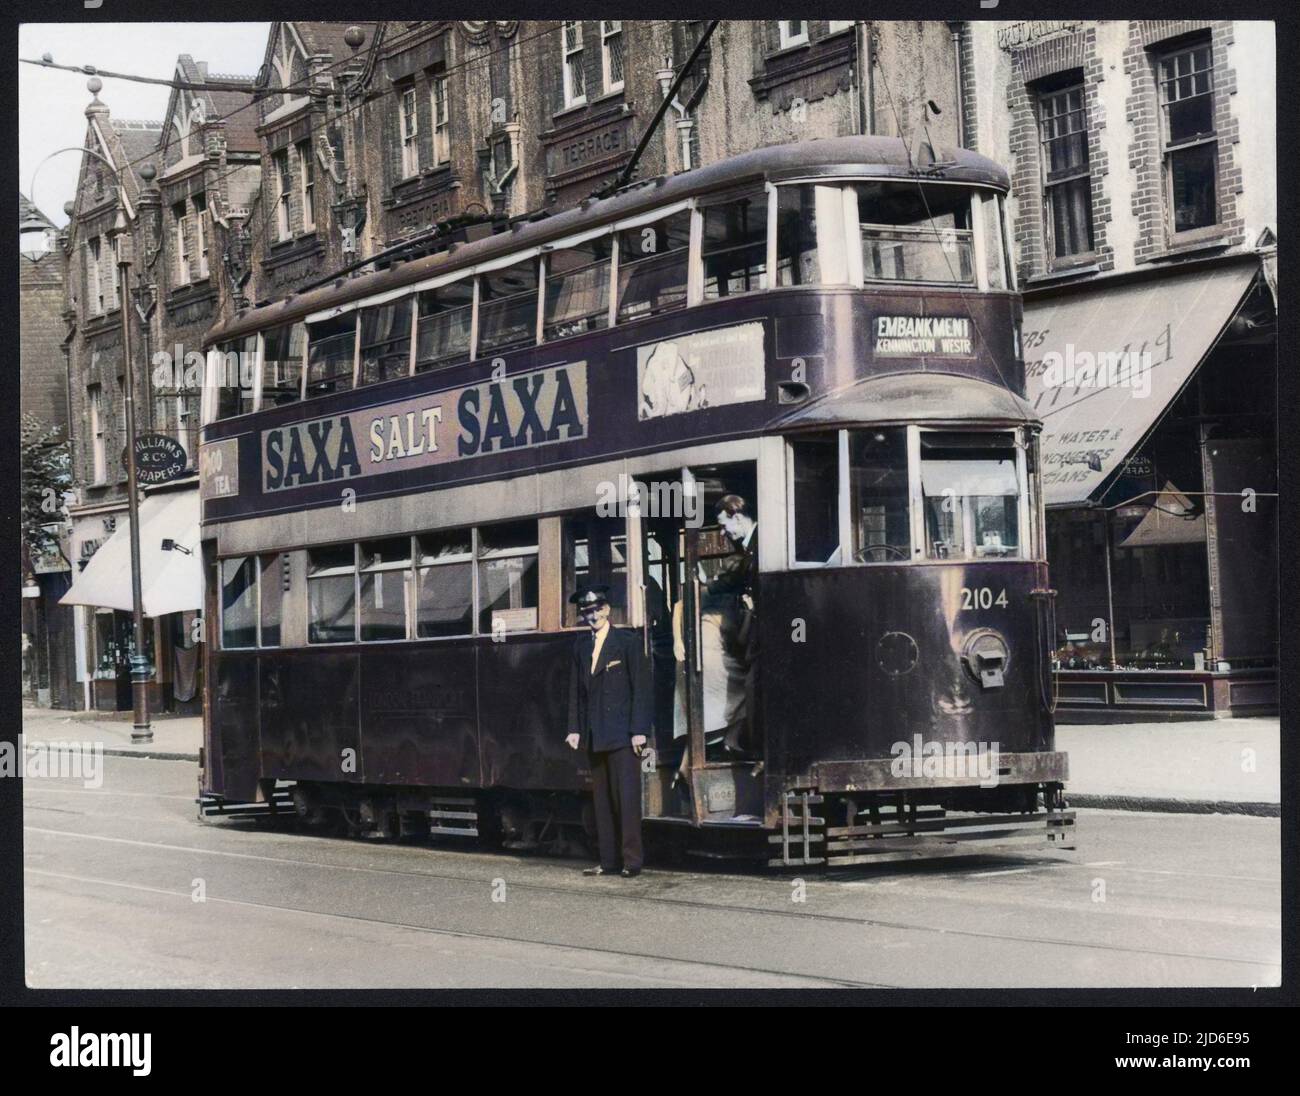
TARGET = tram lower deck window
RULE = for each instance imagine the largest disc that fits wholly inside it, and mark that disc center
(879, 500)
(815, 495)
(238, 603)
(331, 594)
(444, 584)
(507, 578)
(969, 484)
(385, 575)
(595, 551)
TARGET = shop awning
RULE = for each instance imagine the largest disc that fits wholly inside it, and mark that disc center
(170, 581)
(1089, 380)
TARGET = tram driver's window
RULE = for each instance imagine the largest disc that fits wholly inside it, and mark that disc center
(815, 498)
(444, 584)
(282, 364)
(443, 324)
(595, 551)
(879, 496)
(971, 495)
(577, 289)
(274, 571)
(386, 341)
(507, 308)
(331, 352)
(385, 576)
(653, 266)
(916, 232)
(734, 248)
(239, 602)
(236, 376)
(507, 578)
(331, 594)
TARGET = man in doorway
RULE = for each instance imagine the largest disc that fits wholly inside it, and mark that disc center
(734, 582)
(611, 710)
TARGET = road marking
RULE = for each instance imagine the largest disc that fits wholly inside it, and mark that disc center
(1005, 871)
(1101, 863)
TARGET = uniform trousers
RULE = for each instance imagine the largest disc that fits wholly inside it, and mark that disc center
(616, 788)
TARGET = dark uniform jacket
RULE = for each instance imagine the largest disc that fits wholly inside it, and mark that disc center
(608, 707)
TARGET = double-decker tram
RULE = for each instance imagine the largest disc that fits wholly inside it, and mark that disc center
(821, 337)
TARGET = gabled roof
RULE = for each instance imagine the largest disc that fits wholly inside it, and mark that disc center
(235, 106)
(316, 38)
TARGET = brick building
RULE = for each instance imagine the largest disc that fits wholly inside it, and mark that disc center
(1143, 159)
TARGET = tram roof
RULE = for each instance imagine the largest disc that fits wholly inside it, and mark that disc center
(826, 158)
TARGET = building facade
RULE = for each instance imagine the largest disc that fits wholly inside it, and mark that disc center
(1143, 160)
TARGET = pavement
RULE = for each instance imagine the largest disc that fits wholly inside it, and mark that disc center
(1223, 766)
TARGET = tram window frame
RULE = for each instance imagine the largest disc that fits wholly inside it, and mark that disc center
(393, 344)
(909, 233)
(972, 442)
(832, 441)
(617, 576)
(342, 380)
(896, 437)
(224, 577)
(484, 556)
(230, 376)
(829, 235)
(553, 325)
(528, 332)
(269, 340)
(373, 571)
(320, 574)
(273, 567)
(631, 238)
(423, 562)
(430, 294)
(709, 208)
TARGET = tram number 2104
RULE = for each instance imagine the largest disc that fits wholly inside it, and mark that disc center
(981, 598)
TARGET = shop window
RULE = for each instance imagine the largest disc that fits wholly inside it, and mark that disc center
(879, 496)
(653, 265)
(577, 289)
(970, 493)
(913, 232)
(507, 578)
(331, 594)
(386, 341)
(507, 308)
(1186, 79)
(595, 551)
(239, 602)
(282, 364)
(331, 354)
(444, 584)
(734, 248)
(1067, 187)
(815, 498)
(385, 576)
(443, 325)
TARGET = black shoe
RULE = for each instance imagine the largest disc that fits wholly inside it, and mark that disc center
(630, 873)
(597, 870)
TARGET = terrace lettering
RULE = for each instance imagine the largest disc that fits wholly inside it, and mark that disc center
(923, 335)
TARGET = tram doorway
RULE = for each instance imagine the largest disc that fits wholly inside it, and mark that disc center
(700, 567)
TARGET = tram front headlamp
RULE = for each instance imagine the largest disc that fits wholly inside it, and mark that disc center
(986, 655)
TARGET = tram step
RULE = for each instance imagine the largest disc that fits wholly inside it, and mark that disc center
(216, 806)
(915, 840)
(453, 817)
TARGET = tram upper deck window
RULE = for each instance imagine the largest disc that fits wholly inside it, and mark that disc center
(443, 325)
(444, 584)
(595, 551)
(971, 495)
(815, 495)
(331, 353)
(653, 266)
(239, 602)
(282, 364)
(734, 246)
(879, 498)
(331, 594)
(916, 232)
(235, 376)
(386, 341)
(507, 577)
(577, 289)
(507, 308)
(385, 576)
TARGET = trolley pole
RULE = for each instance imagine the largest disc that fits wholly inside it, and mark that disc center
(141, 731)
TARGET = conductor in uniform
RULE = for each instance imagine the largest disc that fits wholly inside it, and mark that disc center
(611, 712)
